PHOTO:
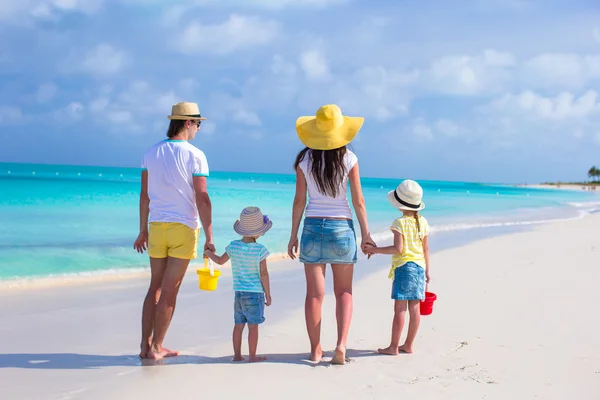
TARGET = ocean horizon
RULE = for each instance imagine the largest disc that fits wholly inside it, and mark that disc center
(64, 220)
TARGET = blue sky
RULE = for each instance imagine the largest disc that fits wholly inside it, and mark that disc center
(477, 90)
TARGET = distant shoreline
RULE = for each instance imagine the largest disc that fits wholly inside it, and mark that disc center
(589, 186)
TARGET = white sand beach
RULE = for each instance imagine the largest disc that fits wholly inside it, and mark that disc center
(516, 317)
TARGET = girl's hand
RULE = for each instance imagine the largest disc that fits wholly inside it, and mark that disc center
(366, 240)
(427, 277)
(369, 249)
(293, 247)
(208, 253)
(268, 300)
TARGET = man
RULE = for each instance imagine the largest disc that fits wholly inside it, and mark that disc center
(172, 197)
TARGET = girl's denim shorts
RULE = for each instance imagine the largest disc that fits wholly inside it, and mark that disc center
(328, 241)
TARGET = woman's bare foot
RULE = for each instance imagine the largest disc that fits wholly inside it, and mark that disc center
(340, 355)
(405, 349)
(254, 359)
(238, 358)
(160, 353)
(390, 351)
(317, 355)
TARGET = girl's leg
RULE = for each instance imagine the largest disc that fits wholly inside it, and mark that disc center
(238, 329)
(397, 326)
(315, 292)
(253, 343)
(342, 287)
(414, 311)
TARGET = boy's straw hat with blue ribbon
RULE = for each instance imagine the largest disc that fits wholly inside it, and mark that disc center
(407, 196)
(252, 223)
(328, 129)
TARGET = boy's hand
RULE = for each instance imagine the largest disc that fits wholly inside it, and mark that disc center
(267, 300)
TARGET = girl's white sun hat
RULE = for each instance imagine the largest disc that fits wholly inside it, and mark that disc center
(407, 196)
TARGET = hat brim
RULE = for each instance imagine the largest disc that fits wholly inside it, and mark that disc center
(396, 204)
(187, 117)
(311, 137)
(259, 232)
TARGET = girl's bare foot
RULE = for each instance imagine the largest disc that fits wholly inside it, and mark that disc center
(317, 355)
(254, 359)
(238, 358)
(390, 351)
(340, 355)
(405, 349)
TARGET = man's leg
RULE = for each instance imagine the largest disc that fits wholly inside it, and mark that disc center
(172, 279)
(157, 268)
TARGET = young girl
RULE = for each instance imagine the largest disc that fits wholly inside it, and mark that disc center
(410, 263)
(250, 278)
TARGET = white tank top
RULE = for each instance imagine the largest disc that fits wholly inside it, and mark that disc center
(322, 205)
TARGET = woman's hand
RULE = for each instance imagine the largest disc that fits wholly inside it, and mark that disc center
(366, 240)
(293, 247)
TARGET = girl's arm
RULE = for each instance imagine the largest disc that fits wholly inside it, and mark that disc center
(297, 211)
(426, 254)
(264, 278)
(358, 202)
(218, 259)
(396, 248)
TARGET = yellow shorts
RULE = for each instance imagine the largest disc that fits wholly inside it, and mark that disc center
(172, 239)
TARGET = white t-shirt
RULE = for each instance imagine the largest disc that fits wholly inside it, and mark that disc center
(322, 205)
(171, 166)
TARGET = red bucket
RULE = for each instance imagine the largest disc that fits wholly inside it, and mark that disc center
(427, 304)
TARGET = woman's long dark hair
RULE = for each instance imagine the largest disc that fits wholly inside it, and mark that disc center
(327, 167)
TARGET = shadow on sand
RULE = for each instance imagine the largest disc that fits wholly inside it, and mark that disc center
(95, 361)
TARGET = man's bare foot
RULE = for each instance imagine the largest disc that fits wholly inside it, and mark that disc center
(340, 355)
(237, 358)
(158, 354)
(254, 359)
(405, 349)
(390, 351)
(144, 348)
(317, 355)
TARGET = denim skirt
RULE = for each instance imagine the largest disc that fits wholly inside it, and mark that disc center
(409, 282)
(328, 241)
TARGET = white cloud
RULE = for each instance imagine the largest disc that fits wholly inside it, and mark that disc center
(72, 112)
(561, 107)
(247, 117)
(10, 115)
(104, 59)
(273, 4)
(237, 33)
(421, 130)
(18, 11)
(563, 70)
(208, 128)
(449, 128)
(315, 65)
(119, 117)
(46, 92)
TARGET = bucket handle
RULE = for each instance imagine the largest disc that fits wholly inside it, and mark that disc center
(211, 268)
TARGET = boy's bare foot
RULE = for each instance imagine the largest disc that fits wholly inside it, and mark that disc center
(254, 359)
(317, 355)
(158, 354)
(405, 349)
(390, 351)
(340, 355)
(238, 358)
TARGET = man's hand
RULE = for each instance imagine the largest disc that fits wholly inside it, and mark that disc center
(141, 243)
(267, 300)
(209, 245)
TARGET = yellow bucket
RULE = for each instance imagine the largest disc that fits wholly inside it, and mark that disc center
(208, 277)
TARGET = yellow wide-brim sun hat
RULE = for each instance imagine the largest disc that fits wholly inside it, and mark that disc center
(328, 129)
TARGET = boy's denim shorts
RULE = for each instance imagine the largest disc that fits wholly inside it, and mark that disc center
(409, 282)
(249, 308)
(328, 241)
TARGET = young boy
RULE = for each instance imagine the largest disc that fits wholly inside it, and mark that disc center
(250, 278)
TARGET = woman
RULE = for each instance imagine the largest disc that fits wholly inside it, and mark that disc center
(323, 169)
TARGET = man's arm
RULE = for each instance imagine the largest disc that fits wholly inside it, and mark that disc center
(141, 243)
(204, 209)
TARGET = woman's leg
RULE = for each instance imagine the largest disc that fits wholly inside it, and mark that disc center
(414, 311)
(342, 287)
(315, 292)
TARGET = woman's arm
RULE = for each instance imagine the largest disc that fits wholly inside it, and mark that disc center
(297, 212)
(358, 201)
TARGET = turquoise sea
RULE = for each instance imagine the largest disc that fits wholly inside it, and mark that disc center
(60, 220)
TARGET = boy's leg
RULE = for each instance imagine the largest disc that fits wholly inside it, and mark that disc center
(238, 330)
(253, 343)
(397, 326)
(413, 325)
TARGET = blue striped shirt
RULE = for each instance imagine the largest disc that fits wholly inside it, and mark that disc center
(245, 265)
